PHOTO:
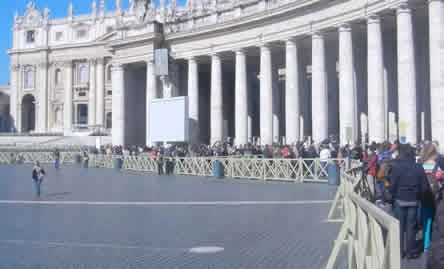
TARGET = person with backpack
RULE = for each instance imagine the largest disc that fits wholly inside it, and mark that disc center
(436, 249)
(383, 170)
(408, 183)
(37, 176)
(434, 174)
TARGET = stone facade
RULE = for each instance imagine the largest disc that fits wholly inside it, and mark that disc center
(255, 70)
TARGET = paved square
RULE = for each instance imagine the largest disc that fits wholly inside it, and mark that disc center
(97, 218)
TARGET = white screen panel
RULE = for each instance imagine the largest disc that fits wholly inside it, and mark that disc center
(169, 119)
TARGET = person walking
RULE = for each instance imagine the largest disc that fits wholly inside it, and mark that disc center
(407, 187)
(159, 164)
(85, 159)
(57, 158)
(37, 176)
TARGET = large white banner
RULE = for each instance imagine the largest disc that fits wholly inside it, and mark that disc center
(169, 119)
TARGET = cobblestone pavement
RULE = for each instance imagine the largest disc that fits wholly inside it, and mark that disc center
(143, 234)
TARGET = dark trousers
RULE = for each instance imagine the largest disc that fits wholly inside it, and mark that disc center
(407, 216)
(159, 168)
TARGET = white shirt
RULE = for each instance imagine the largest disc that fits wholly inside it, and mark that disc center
(324, 155)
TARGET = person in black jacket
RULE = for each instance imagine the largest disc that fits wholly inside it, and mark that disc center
(407, 187)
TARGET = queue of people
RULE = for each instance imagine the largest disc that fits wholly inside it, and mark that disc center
(408, 183)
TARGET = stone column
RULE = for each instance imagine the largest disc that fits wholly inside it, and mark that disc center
(319, 89)
(347, 96)
(193, 100)
(375, 81)
(292, 92)
(436, 41)
(14, 72)
(100, 97)
(216, 103)
(241, 99)
(151, 93)
(266, 96)
(406, 74)
(67, 106)
(118, 107)
(276, 91)
(92, 93)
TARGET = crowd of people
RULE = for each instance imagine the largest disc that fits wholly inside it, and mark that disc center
(408, 183)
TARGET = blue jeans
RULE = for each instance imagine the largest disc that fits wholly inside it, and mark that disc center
(57, 163)
(407, 216)
(37, 184)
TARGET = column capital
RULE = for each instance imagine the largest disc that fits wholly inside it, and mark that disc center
(373, 18)
(192, 59)
(92, 61)
(290, 41)
(215, 55)
(403, 7)
(150, 61)
(117, 67)
(240, 51)
(67, 63)
(317, 35)
(43, 65)
(264, 46)
(345, 27)
(100, 60)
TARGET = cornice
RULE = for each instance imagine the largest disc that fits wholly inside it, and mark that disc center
(255, 18)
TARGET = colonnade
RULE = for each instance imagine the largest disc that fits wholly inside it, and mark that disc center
(348, 114)
(377, 124)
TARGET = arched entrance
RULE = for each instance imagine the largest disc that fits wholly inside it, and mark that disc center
(5, 118)
(28, 113)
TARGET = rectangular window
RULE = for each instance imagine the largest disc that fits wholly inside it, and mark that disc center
(29, 79)
(30, 36)
(109, 29)
(81, 34)
(82, 93)
(109, 92)
(59, 36)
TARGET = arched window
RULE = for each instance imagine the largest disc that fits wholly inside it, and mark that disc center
(84, 75)
(108, 73)
(58, 77)
(29, 79)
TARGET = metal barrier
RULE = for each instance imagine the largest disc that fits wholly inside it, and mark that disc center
(293, 170)
(371, 235)
(31, 157)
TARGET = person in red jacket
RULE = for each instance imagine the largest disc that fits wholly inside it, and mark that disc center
(371, 161)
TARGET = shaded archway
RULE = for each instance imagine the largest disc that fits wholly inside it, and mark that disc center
(5, 118)
(28, 113)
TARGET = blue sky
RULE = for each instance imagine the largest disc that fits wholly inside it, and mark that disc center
(59, 9)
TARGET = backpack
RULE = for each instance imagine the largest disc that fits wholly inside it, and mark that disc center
(435, 185)
(384, 171)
